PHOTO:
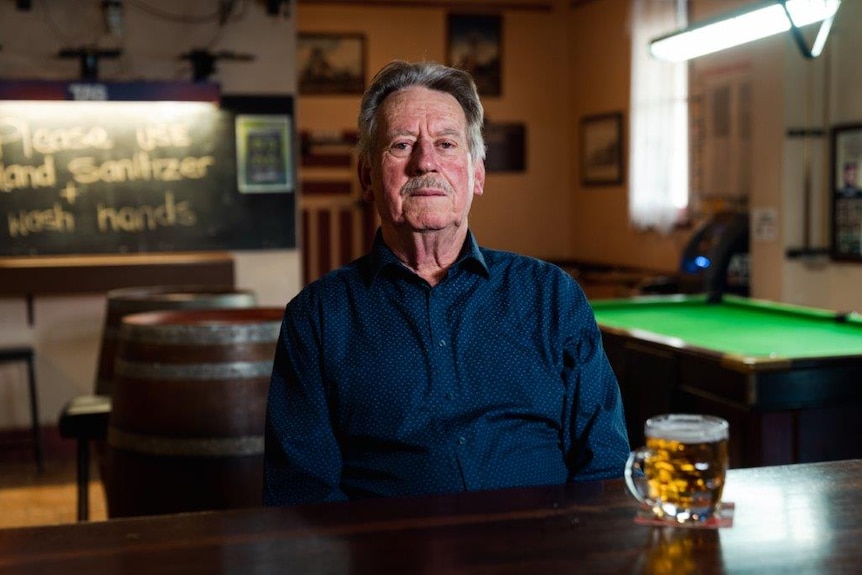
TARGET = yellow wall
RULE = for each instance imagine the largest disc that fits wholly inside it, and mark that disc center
(530, 211)
(561, 62)
(572, 60)
(600, 53)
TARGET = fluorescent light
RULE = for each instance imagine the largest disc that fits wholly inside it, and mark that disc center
(822, 34)
(765, 19)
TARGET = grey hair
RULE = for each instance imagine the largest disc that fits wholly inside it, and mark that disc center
(398, 75)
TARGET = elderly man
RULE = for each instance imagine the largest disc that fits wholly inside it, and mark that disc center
(432, 364)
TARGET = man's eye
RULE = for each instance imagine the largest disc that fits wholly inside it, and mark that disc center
(399, 148)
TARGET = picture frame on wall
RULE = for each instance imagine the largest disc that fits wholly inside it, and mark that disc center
(506, 146)
(331, 63)
(474, 44)
(264, 157)
(846, 184)
(602, 149)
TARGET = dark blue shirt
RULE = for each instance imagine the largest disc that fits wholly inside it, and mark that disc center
(383, 385)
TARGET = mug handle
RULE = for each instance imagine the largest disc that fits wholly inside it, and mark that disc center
(635, 476)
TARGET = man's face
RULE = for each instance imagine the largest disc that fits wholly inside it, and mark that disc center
(421, 175)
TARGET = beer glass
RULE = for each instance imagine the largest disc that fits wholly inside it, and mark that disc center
(679, 474)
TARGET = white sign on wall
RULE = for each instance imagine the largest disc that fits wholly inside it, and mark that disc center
(764, 224)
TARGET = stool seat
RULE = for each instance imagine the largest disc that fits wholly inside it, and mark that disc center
(24, 353)
(16, 353)
(85, 418)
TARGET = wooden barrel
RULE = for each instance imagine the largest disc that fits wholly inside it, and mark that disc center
(189, 407)
(125, 301)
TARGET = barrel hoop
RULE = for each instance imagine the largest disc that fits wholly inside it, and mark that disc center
(192, 371)
(185, 446)
(121, 306)
(220, 334)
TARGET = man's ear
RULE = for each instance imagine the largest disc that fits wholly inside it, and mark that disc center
(363, 170)
(479, 177)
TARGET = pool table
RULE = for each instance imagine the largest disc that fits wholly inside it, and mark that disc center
(787, 378)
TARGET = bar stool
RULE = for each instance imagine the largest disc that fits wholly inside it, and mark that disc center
(18, 354)
(85, 419)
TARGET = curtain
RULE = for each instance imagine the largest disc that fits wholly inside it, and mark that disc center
(658, 146)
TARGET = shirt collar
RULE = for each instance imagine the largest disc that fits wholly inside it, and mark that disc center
(470, 258)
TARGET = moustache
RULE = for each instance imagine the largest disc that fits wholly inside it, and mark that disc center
(426, 182)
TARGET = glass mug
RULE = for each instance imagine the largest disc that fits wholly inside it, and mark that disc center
(679, 474)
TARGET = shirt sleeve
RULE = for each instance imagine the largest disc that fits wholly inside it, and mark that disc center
(597, 445)
(302, 458)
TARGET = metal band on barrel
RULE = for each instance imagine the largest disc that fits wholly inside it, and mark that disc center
(221, 334)
(177, 300)
(192, 371)
(185, 446)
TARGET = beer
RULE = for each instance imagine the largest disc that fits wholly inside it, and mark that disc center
(680, 472)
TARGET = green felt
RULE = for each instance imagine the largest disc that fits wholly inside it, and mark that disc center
(737, 326)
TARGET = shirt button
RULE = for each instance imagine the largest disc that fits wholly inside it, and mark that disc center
(442, 343)
(462, 440)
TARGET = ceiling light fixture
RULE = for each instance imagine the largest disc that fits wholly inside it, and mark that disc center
(740, 27)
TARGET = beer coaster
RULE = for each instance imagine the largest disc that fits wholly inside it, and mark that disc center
(724, 518)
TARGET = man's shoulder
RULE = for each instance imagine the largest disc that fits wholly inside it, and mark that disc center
(545, 285)
(529, 274)
(334, 283)
(522, 264)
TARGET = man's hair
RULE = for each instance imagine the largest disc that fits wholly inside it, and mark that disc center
(398, 75)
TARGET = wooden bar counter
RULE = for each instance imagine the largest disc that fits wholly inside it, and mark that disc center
(58, 275)
(67, 275)
(802, 518)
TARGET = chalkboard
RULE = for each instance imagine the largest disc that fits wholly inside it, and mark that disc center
(134, 177)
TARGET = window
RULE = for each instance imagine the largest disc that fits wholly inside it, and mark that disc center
(659, 174)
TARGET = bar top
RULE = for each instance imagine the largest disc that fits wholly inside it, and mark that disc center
(796, 518)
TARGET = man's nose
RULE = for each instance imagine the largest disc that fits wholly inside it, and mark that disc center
(424, 160)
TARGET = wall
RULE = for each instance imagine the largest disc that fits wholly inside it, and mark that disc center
(823, 93)
(561, 61)
(761, 65)
(67, 330)
(527, 211)
(793, 93)
(788, 92)
(599, 45)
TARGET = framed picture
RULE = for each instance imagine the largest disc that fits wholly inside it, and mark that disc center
(475, 44)
(331, 63)
(263, 154)
(602, 149)
(846, 182)
(507, 147)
